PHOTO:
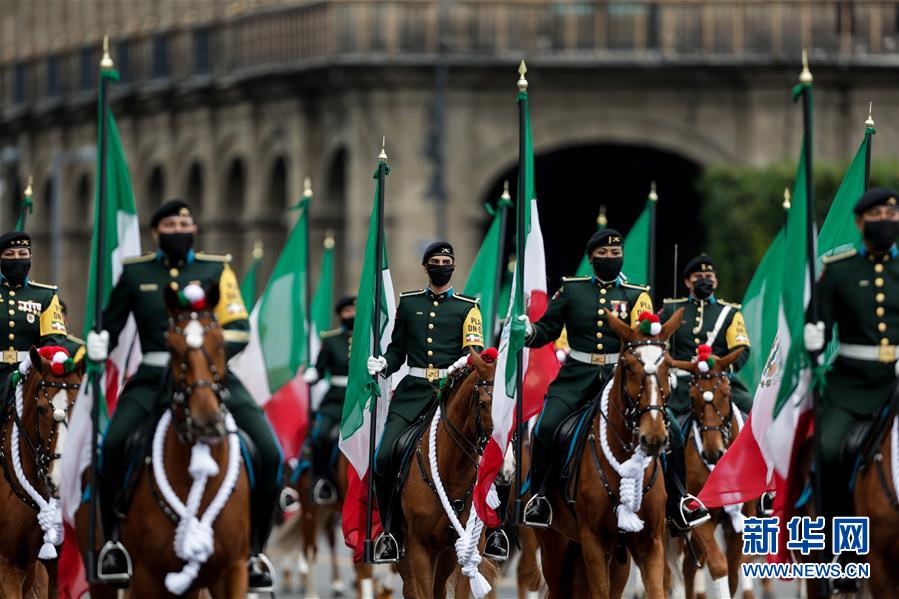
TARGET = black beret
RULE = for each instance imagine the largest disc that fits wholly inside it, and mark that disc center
(701, 263)
(15, 239)
(441, 248)
(345, 301)
(878, 196)
(170, 208)
(603, 238)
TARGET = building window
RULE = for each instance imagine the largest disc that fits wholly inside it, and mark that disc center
(52, 75)
(160, 56)
(19, 83)
(122, 63)
(87, 66)
(201, 51)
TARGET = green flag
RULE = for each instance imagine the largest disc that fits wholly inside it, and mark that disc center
(484, 271)
(249, 285)
(27, 207)
(323, 300)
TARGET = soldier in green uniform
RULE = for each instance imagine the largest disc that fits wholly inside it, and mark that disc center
(71, 343)
(859, 293)
(34, 315)
(139, 292)
(581, 306)
(711, 321)
(433, 328)
(333, 362)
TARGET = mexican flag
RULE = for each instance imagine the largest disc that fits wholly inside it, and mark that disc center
(357, 408)
(322, 304)
(268, 365)
(121, 240)
(484, 271)
(637, 245)
(249, 285)
(540, 366)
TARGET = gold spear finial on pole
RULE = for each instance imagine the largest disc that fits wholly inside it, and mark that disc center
(786, 203)
(106, 63)
(806, 75)
(307, 187)
(653, 196)
(506, 195)
(257, 249)
(329, 239)
(382, 157)
(28, 189)
(601, 220)
(522, 82)
(869, 122)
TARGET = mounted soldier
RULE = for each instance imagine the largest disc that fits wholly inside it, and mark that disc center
(333, 364)
(581, 307)
(434, 327)
(708, 320)
(139, 292)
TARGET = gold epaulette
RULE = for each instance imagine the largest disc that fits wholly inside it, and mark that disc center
(575, 279)
(838, 257)
(731, 304)
(212, 257)
(75, 339)
(42, 285)
(330, 333)
(632, 286)
(465, 298)
(408, 293)
(674, 300)
(137, 259)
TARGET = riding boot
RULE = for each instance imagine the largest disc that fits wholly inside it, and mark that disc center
(538, 512)
(681, 516)
(323, 490)
(113, 562)
(389, 545)
(260, 570)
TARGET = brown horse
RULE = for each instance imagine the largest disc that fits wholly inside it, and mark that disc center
(37, 421)
(465, 424)
(626, 436)
(197, 424)
(715, 424)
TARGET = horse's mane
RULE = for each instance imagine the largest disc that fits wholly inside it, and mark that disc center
(450, 381)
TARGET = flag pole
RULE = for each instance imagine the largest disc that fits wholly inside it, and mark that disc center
(307, 293)
(26, 204)
(368, 546)
(502, 214)
(869, 133)
(519, 285)
(106, 64)
(651, 257)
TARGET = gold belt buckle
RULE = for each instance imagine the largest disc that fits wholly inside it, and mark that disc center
(10, 356)
(599, 359)
(432, 374)
(887, 353)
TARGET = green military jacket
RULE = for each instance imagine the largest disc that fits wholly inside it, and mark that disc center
(701, 319)
(33, 318)
(859, 293)
(139, 291)
(581, 307)
(334, 361)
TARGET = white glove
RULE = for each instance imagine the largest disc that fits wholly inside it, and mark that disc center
(310, 375)
(97, 346)
(813, 335)
(528, 327)
(376, 365)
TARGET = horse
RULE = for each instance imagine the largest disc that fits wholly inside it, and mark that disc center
(456, 438)
(175, 555)
(32, 437)
(714, 424)
(620, 503)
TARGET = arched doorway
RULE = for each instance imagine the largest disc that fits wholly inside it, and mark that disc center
(572, 184)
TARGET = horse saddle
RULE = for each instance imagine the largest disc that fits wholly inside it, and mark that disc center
(405, 444)
(570, 438)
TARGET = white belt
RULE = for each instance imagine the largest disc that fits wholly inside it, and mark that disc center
(886, 354)
(339, 381)
(11, 356)
(597, 359)
(430, 374)
(160, 359)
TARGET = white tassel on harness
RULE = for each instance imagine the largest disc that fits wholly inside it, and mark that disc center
(194, 537)
(631, 472)
(49, 516)
(734, 510)
(469, 536)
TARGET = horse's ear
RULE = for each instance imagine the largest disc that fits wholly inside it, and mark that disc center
(683, 365)
(624, 332)
(725, 362)
(170, 295)
(37, 361)
(672, 324)
(213, 294)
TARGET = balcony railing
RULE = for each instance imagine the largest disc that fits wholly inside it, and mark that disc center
(312, 34)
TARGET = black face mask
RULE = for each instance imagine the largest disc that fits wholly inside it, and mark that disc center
(881, 234)
(440, 275)
(703, 288)
(607, 269)
(176, 245)
(348, 322)
(15, 270)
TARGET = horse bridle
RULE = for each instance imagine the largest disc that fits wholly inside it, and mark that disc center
(725, 421)
(471, 449)
(41, 452)
(183, 390)
(633, 411)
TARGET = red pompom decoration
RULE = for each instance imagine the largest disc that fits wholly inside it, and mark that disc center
(704, 351)
(649, 323)
(489, 355)
(648, 316)
(47, 352)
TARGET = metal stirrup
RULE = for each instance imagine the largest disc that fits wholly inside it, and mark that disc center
(684, 510)
(117, 577)
(532, 501)
(383, 539)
